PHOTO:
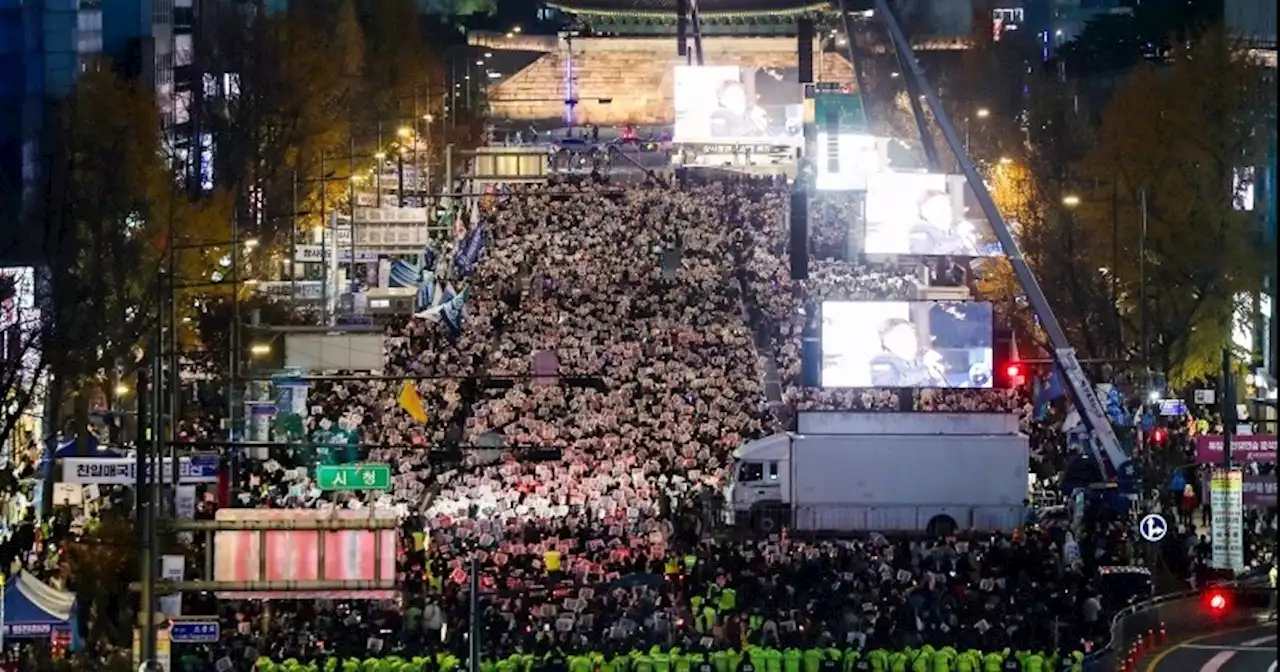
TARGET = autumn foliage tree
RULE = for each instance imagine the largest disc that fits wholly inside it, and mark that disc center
(1181, 137)
(110, 209)
(1181, 134)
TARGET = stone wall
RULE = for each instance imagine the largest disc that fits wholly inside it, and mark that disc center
(637, 75)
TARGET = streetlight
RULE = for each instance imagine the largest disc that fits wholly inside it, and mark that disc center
(260, 349)
(1006, 161)
(1071, 200)
(980, 113)
(404, 132)
(122, 390)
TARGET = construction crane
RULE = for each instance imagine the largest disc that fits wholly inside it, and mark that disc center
(1104, 445)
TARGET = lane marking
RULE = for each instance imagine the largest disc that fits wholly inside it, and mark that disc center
(1217, 662)
(1155, 662)
(1273, 667)
(1259, 641)
(1223, 647)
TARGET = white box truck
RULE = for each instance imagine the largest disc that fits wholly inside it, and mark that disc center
(932, 483)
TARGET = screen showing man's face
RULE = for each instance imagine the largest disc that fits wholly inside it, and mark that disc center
(936, 211)
(901, 341)
(734, 98)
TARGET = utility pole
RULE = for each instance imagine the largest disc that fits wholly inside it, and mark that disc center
(473, 637)
(1228, 408)
(1142, 284)
(293, 245)
(233, 356)
(142, 509)
(351, 197)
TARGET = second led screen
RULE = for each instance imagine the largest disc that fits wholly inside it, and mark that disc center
(906, 344)
(919, 213)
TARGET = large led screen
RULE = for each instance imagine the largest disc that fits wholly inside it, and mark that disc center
(723, 104)
(906, 344)
(845, 160)
(917, 213)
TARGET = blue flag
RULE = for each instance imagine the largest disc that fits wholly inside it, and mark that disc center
(426, 289)
(429, 257)
(469, 251)
(453, 312)
(1046, 391)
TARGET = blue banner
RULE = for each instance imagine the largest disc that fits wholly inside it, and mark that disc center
(123, 470)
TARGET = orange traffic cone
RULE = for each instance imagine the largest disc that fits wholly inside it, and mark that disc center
(1151, 639)
(1162, 634)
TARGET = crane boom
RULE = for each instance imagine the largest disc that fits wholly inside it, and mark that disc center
(1102, 437)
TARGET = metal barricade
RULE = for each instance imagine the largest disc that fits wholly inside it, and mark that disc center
(1168, 618)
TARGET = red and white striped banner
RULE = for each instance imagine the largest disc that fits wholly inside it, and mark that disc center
(294, 555)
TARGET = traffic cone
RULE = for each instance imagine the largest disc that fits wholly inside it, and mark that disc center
(1162, 634)
(1151, 639)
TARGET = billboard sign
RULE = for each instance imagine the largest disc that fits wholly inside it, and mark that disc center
(726, 104)
(1226, 526)
(919, 214)
(920, 344)
(295, 555)
(1256, 448)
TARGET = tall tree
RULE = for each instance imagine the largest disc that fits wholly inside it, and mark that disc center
(1183, 135)
(112, 205)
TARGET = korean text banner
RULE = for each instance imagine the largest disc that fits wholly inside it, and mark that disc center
(1257, 448)
(123, 470)
(922, 344)
(720, 104)
(919, 213)
(1260, 490)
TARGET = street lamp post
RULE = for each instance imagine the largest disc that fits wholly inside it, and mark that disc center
(980, 113)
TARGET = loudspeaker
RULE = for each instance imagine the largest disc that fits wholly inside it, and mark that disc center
(682, 27)
(804, 50)
(799, 235)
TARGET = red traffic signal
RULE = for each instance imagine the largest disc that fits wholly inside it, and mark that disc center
(1217, 601)
(1159, 435)
(1013, 371)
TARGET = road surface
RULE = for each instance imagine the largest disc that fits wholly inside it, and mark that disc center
(1245, 650)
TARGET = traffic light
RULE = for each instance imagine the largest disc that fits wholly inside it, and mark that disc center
(1159, 435)
(1217, 602)
(1013, 375)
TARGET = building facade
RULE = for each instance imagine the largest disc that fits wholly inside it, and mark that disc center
(45, 45)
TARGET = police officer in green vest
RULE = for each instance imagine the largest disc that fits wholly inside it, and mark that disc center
(745, 664)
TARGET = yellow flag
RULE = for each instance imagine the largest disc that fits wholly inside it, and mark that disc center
(411, 402)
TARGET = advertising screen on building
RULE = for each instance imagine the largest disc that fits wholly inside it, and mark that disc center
(920, 213)
(906, 344)
(720, 104)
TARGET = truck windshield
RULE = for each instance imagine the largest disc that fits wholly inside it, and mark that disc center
(750, 471)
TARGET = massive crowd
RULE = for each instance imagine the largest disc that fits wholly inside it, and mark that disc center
(660, 310)
(650, 299)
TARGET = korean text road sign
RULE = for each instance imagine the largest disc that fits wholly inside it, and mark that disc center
(195, 631)
(354, 477)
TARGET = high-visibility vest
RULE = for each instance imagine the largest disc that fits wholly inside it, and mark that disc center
(1272, 576)
(551, 560)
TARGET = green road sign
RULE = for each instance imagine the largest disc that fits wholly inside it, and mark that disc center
(354, 477)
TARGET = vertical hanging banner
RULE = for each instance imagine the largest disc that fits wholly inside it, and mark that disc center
(1226, 501)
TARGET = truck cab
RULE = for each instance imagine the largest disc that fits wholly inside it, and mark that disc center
(759, 487)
